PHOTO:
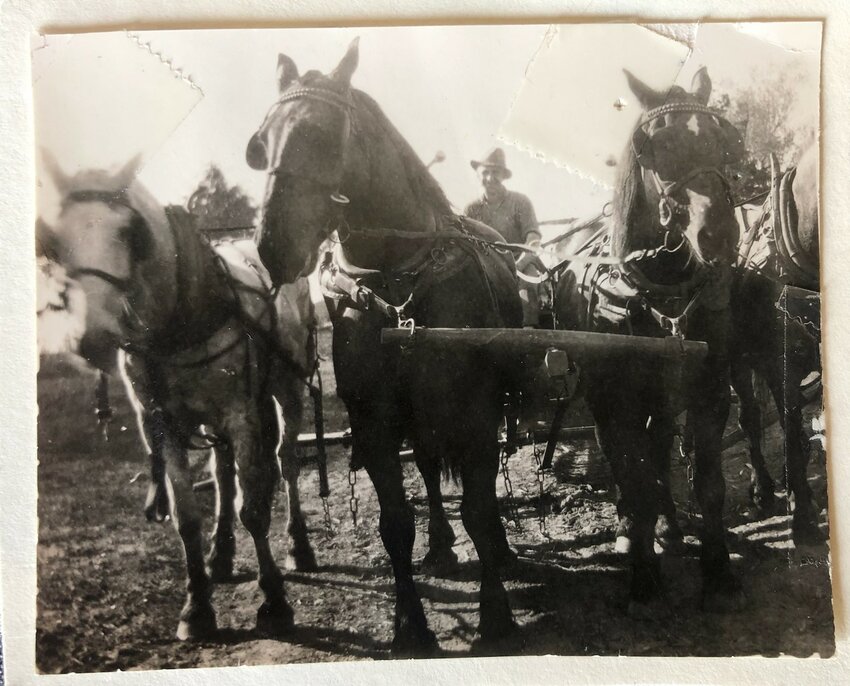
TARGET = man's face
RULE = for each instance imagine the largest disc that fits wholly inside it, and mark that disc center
(491, 178)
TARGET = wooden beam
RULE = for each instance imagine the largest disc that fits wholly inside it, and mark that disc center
(582, 346)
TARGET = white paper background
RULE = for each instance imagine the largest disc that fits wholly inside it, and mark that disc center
(17, 334)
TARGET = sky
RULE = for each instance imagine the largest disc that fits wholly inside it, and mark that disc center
(185, 99)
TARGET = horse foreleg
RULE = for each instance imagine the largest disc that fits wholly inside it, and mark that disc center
(667, 531)
(220, 560)
(254, 444)
(789, 400)
(152, 429)
(197, 619)
(762, 487)
(721, 589)
(376, 446)
(440, 560)
(300, 555)
(625, 443)
(480, 513)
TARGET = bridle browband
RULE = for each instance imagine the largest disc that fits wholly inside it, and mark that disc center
(325, 95)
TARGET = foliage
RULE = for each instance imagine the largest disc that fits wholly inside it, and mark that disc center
(217, 205)
(767, 113)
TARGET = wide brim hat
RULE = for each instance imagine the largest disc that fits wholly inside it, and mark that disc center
(494, 159)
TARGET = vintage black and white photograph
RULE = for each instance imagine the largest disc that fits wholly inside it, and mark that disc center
(429, 342)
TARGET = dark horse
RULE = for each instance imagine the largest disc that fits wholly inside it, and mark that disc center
(673, 233)
(336, 164)
(774, 337)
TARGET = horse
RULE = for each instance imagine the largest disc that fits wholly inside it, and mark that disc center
(203, 343)
(337, 166)
(662, 266)
(778, 250)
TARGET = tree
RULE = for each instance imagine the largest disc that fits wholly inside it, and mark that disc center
(774, 115)
(221, 207)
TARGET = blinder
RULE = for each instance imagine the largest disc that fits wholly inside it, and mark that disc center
(256, 154)
(138, 236)
(731, 141)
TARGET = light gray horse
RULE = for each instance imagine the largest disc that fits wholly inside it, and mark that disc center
(206, 343)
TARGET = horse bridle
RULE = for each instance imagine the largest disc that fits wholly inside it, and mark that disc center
(124, 284)
(668, 205)
(327, 96)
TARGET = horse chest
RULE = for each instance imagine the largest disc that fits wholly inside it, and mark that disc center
(203, 395)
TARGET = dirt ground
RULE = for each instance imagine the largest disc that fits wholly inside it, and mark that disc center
(111, 585)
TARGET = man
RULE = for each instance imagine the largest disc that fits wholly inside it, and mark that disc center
(512, 215)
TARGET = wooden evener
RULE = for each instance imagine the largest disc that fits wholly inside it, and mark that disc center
(581, 346)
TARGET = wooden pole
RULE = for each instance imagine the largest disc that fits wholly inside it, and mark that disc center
(582, 346)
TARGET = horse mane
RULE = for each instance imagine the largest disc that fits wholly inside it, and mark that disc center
(423, 185)
(628, 204)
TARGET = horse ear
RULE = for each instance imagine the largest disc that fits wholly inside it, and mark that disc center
(648, 98)
(255, 154)
(345, 69)
(129, 171)
(287, 72)
(46, 240)
(60, 179)
(701, 85)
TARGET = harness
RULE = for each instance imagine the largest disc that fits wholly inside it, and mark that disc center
(207, 302)
(615, 291)
(668, 205)
(778, 254)
(441, 255)
(771, 247)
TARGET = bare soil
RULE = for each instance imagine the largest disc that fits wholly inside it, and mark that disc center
(111, 585)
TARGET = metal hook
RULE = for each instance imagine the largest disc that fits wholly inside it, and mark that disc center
(665, 212)
(340, 238)
(667, 247)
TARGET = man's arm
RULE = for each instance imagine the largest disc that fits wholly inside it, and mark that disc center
(529, 229)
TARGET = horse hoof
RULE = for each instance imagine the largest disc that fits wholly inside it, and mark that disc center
(220, 566)
(623, 545)
(275, 620)
(197, 625)
(495, 632)
(488, 645)
(301, 561)
(672, 545)
(439, 563)
(415, 643)
(220, 572)
(156, 504)
(649, 610)
(807, 533)
(725, 601)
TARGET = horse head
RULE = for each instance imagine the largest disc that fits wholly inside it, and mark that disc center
(673, 188)
(302, 143)
(100, 239)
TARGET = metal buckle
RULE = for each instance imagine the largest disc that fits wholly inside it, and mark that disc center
(439, 256)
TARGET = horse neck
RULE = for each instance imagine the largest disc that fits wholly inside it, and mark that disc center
(640, 229)
(181, 281)
(386, 196)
